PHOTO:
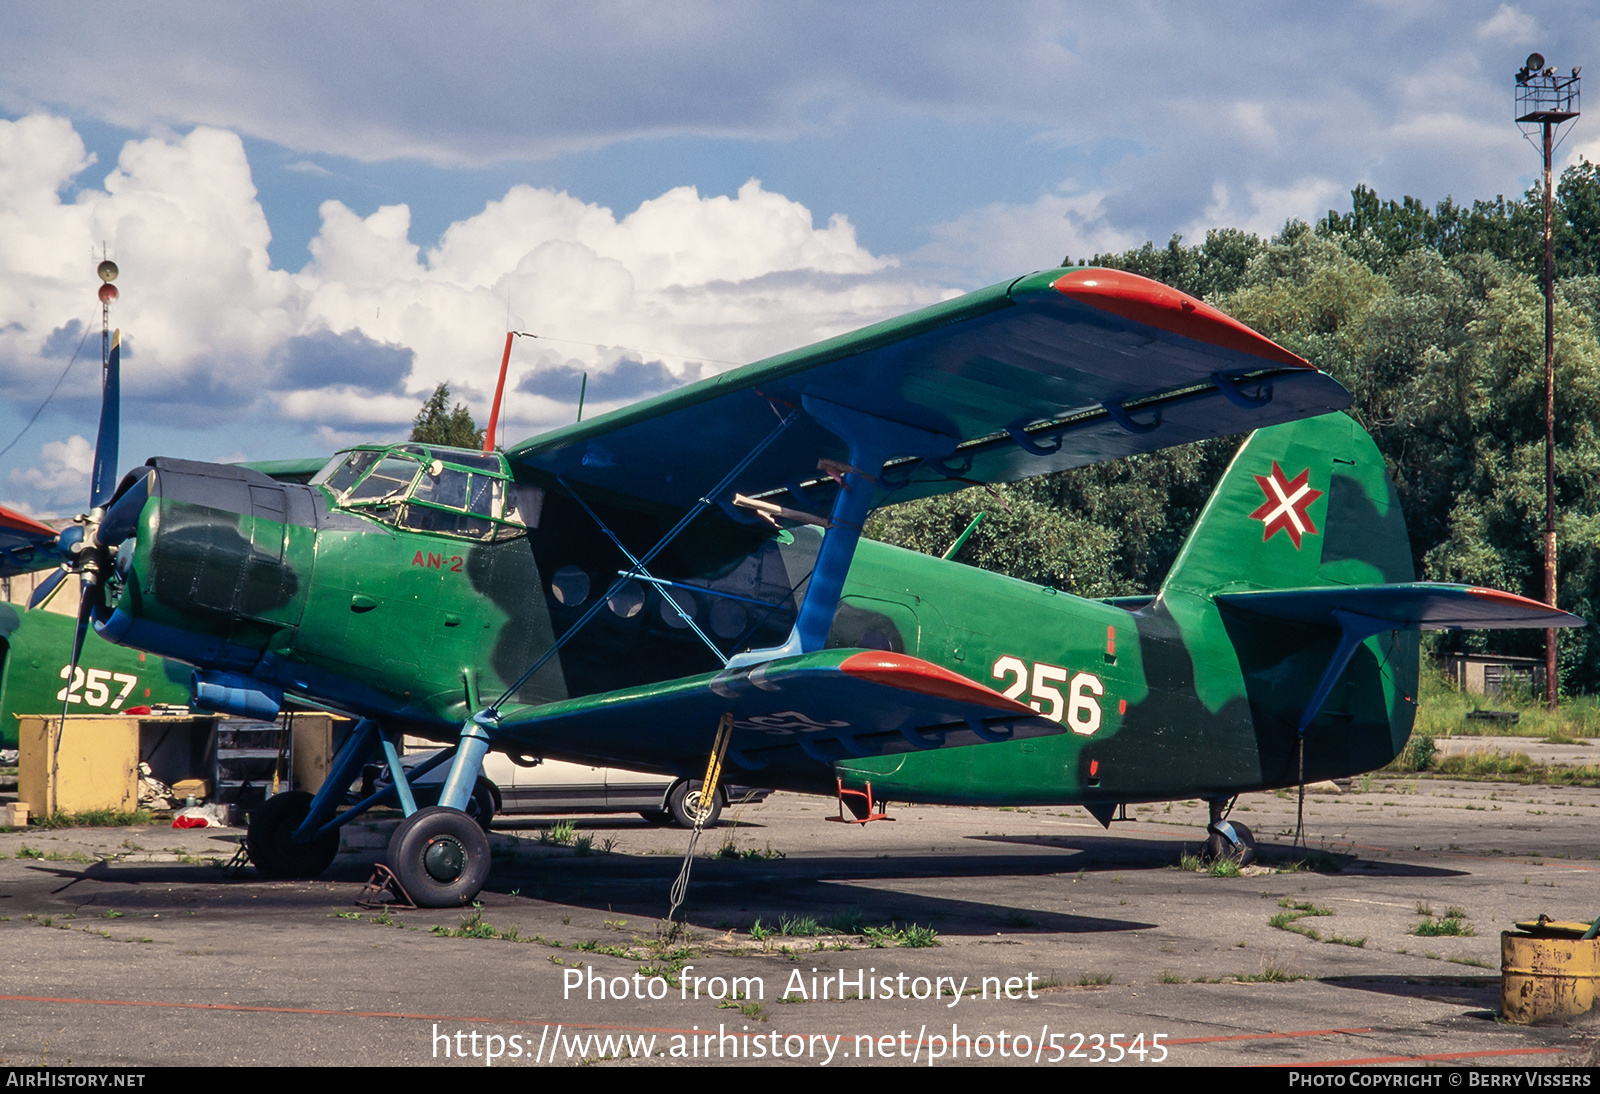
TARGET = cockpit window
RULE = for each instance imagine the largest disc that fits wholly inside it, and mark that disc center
(440, 490)
(389, 480)
(342, 471)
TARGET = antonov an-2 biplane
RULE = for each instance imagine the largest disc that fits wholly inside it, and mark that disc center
(610, 591)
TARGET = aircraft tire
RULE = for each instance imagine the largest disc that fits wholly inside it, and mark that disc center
(270, 839)
(441, 857)
(684, 801)
(1219, 846)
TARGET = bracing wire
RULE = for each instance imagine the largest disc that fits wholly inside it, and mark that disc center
(52, 394)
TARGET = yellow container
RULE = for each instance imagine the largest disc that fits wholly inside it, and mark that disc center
(1548, 972)
(93, 765)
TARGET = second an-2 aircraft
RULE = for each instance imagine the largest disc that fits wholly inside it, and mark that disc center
(613, 591)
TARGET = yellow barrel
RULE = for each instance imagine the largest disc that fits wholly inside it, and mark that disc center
(1548, 972)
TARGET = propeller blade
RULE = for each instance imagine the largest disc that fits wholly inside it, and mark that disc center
(71, 676)
(104, 480)
(42, 591)
(85, 606)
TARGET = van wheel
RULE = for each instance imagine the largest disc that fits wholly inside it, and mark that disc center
(687, 805)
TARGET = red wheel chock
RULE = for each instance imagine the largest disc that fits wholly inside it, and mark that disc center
(863, 809)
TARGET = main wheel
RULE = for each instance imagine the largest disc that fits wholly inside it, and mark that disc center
(271, 844)
(687, 804)
(441, 857)
(1219, 846)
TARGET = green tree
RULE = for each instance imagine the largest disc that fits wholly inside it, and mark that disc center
(435, 424)
(1433, 319)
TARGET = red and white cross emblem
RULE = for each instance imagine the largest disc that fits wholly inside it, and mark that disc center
(1287, 504)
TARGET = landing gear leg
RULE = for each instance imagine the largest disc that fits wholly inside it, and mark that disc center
(1227, 839)
(440, 855)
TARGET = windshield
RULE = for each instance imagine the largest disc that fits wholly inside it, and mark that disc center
(389, 480)
(443, 491)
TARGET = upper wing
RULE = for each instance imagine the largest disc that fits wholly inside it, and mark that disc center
(792, 718)
(1050, 371)
(297, 470)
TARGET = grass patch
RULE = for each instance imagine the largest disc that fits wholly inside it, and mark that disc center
(558, 834)
(1094, 979)
(1442, 711)
(1270, 974)
(851, 923)
(800, 926)
(1417, 755)
(1318, 862)
(730, 850)
(911, 937)
(1290, 920)
(1224, 867)
(1452, 924)
(94, 818)
(1169, 977)
(472, 926)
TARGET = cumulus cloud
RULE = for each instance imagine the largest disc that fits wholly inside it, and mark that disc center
(627, 379)
(323, 359)
(350, 344)
(1264, 209)
(1001, 240)
(1509, 24)
(60, 481)
(686, 278)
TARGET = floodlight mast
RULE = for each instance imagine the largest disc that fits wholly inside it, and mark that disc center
(1547, 101)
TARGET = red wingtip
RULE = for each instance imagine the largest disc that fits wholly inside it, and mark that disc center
(9, 518)
(897, 670)
(1500, 596)
(1154, 304)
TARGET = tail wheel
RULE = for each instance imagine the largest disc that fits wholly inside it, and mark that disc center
(441, 856)
(1242, 849)
(271, 843)
(687, 804)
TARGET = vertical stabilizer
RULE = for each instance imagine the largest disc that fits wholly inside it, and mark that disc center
(1302, 504)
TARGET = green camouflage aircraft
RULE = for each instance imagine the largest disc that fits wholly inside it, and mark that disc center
(611, 591)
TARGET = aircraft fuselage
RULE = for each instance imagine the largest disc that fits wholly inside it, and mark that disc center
(273, 583)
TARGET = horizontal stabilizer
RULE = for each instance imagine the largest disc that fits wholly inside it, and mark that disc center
(1423, 605)
(790, 716)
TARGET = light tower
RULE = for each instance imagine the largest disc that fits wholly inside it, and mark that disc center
(1546, 102)
(108, 292)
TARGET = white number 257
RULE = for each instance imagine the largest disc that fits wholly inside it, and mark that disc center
(94, 688)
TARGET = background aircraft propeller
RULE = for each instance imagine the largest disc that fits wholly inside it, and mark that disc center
(88, 547)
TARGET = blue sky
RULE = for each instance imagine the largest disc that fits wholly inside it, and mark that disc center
(321, 213)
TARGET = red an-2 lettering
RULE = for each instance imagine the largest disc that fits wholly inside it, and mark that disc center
(434, 561)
